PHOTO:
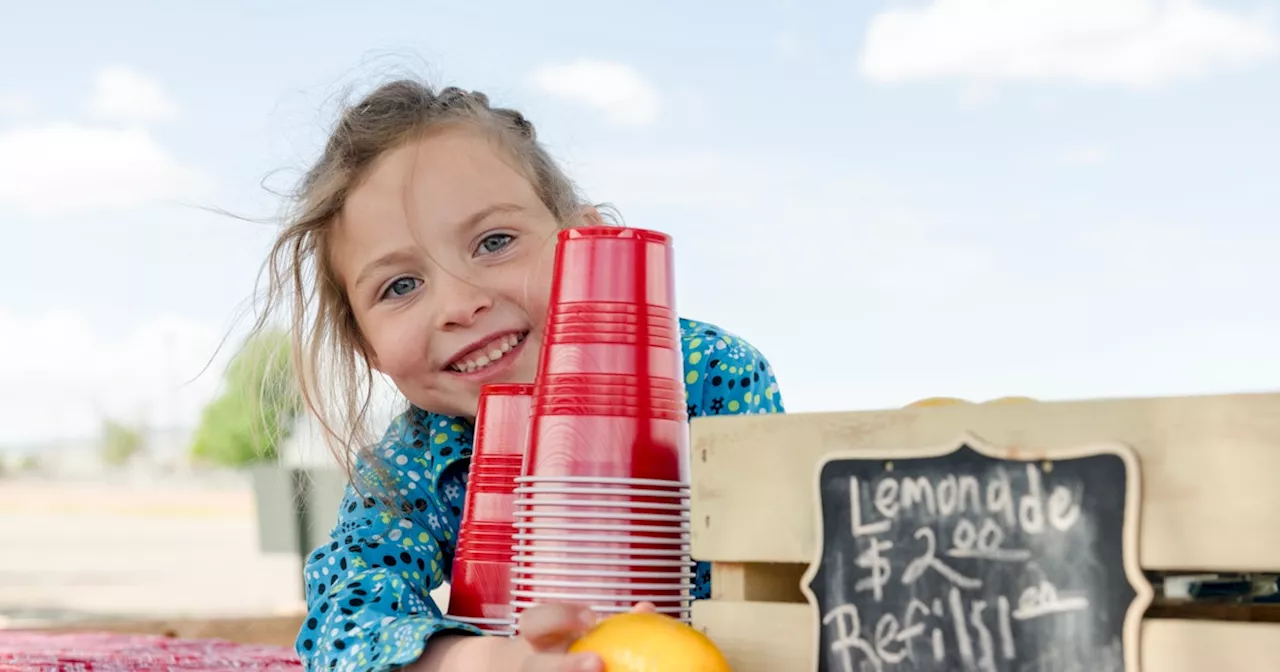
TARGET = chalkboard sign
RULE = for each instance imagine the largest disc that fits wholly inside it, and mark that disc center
(969, 559)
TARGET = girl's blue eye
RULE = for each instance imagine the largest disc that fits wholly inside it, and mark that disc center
(494, 243)
(401, 286)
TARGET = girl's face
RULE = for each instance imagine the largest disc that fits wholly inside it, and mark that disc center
(446, 255)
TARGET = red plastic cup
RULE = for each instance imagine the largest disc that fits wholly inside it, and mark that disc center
(612, 307)
(482, 561)
(480, 589)
(502, 422)
(501, 436)
(614, 264)
(602, 514)
(617, 442)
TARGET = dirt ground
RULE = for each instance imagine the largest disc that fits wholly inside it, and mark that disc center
(95, 550)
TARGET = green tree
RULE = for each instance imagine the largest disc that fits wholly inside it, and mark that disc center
(120, 443)
(257, 407)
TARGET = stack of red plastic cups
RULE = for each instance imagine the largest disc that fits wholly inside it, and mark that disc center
(602, 508)
(480, 592)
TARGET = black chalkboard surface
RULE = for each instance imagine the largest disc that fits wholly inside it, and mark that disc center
(966, 559)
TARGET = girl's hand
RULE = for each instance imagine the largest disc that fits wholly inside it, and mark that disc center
(547, 631)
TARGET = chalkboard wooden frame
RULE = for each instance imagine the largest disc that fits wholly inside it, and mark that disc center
(1144, 593)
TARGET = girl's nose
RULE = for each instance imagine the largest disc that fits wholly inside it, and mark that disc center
(462, 303)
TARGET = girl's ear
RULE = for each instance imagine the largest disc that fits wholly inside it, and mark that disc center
(591, 216)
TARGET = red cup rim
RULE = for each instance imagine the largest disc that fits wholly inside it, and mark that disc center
(620, 411)
(595, 323)
(662, 411)
(627, 397)
(603, 391)
(602, 378)
(488, 548)
(471, 536)
(486, 541)
(611, 307)
(477, 560)
(614, 233)
(609, 338)
(461, 558)
(488, 552)
(506, 389)
(492, 531)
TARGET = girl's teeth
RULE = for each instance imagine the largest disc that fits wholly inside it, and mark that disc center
(496, 352)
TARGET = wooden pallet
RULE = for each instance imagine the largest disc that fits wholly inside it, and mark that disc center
(1209, 501)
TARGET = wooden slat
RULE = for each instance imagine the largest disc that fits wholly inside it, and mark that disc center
(767, 637)
(273, 630)
(1209, 468)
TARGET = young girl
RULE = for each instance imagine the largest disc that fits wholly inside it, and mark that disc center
(422, 248)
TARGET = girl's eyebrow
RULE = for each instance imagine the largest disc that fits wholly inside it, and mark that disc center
(389, 259)
(480, 215)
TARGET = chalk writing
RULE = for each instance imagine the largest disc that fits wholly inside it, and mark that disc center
(968, 562)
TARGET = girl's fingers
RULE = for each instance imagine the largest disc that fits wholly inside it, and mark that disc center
(644, 607)
(553, 627)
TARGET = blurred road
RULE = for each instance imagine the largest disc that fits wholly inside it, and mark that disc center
(77, 550)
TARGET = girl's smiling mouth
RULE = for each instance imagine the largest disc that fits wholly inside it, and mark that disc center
(486, 355)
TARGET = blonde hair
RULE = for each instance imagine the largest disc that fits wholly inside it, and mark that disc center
(330, 356)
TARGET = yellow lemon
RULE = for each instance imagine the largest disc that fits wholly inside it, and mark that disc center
(937, 401)
(649, 642)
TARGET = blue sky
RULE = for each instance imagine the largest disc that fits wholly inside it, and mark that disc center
(975, 198)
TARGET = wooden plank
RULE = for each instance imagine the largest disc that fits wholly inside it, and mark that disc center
(759, 636)
(273, 630)
(754, 582)
(765, 637)
(1208, 463)
(780, 582)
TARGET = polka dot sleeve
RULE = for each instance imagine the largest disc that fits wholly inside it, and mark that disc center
(724, 375)
(367, 591)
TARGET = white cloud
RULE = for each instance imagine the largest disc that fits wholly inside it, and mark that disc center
(69, 168)
(16, 104)
(122, 94)
(1136, 43)
(616, 89)
(62, 379)
(1091, 155)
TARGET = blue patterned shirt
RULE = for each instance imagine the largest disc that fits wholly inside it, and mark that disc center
(367, 591)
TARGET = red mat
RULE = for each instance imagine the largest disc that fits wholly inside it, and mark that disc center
(108, 652)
